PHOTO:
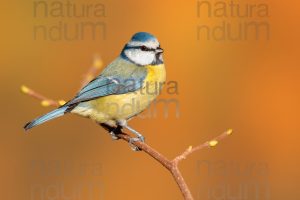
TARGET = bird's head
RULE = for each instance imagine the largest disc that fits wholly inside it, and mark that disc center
(143, 49)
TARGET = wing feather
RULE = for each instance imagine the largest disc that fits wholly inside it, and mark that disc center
(120, 77)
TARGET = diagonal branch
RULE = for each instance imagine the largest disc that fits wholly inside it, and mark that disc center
(93, 70)
(44, 100)
(170, 165)
(90, 74)
(207, 144)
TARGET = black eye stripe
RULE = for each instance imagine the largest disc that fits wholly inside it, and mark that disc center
(143, 48)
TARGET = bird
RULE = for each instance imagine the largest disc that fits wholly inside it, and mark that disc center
(124, 89)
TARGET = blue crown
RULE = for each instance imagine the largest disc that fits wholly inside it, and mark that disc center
(142, 37)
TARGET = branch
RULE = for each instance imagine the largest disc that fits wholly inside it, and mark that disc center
(92, 72)
(170, 165)
(44, 100)
(207, 144)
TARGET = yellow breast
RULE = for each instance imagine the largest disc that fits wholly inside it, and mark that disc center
(125, 106)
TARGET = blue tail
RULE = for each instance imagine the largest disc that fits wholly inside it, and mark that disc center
(51, 115)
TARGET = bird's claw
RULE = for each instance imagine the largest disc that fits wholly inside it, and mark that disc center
(113, 135)
(136, 139)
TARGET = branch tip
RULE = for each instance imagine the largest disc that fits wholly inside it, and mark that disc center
(98, 63)
(229, 131)
(25, 89)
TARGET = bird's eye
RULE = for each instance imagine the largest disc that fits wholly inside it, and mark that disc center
(144, 48)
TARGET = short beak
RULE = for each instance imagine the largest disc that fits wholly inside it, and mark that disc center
(159, 50)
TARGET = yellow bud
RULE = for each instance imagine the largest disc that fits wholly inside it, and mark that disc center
(25, 89)
(229, 131)
(98, 63)
(213, 143)
(45, 103)
(61, 102)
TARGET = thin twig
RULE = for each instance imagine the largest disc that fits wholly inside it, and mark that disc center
(93, 70)
(170, 165)
(44, 100)
(91, 73)
(207, 144)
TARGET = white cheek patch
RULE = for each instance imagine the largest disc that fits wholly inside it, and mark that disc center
(140, 57)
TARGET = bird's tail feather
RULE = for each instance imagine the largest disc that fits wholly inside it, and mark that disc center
(51, 115)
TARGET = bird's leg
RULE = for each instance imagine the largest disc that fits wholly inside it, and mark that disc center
(139, 137)
(113, 131)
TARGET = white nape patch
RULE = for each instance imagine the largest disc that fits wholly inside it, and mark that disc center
(153, 44)
(140, 57)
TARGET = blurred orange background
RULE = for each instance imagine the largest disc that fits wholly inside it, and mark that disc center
(250, 86)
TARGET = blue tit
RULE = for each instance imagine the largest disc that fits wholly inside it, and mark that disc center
(132, 78)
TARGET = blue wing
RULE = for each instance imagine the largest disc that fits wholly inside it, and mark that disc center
(119, 77)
